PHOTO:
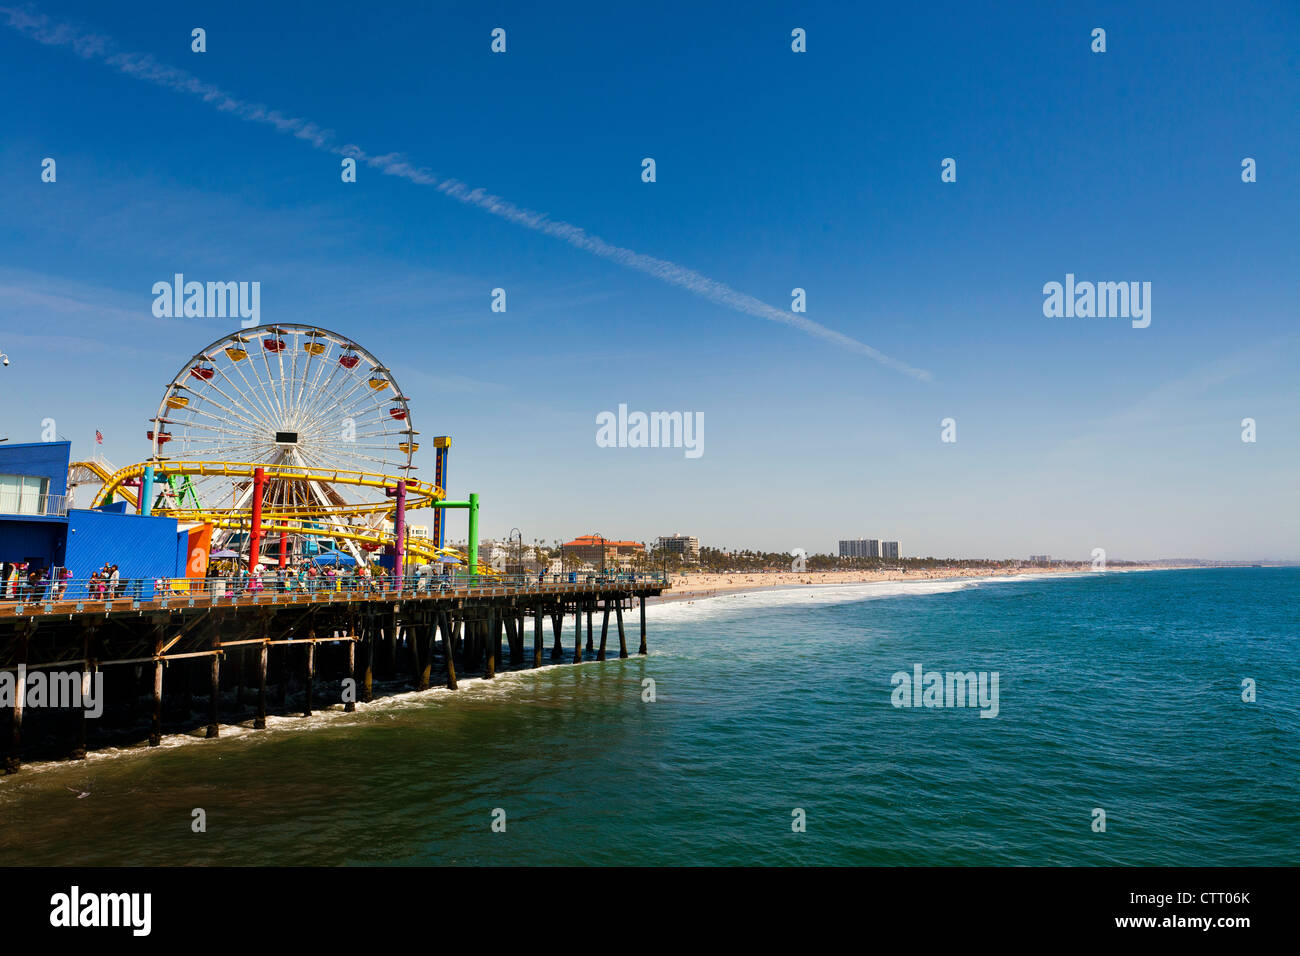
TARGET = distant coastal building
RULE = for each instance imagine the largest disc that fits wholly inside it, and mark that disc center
(686, 545)
(889, 549)
(601, 552)
(860, 548)
(1040, 559)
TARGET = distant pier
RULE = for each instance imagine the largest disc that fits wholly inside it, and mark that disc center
(232, 657)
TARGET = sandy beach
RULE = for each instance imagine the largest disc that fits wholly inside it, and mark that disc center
(693, 586)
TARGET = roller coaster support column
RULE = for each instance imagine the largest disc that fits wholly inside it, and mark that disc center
(472, 548)
(399, 534)
(146, 493)
(255, 538)
(442, 443)
(472, 507)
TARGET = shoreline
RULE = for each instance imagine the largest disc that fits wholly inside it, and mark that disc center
(702, 586)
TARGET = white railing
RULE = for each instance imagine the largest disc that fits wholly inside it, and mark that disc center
(33, 503)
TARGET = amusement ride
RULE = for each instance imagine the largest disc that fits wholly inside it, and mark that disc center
(288, 433)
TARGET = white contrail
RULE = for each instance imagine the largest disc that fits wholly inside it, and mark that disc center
(144, 67)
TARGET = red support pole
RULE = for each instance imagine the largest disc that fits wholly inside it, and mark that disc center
(284, 548)
(255, 538)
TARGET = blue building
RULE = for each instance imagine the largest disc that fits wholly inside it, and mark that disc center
(34, 503)
(40, 528)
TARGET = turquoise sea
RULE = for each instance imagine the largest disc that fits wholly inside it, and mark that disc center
(1118, 691)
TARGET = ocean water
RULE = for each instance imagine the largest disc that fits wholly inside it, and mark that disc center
(1119, 691)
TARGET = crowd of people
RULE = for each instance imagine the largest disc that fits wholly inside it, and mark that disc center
(21, 582)
(233, 578)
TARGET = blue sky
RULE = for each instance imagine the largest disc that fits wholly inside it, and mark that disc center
(775, 170)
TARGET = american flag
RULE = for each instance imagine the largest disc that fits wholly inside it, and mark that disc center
(99, 437)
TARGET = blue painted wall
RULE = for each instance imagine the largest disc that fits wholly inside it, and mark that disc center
(48, 458)
(36, 539)
(39, 542)
(140, 547)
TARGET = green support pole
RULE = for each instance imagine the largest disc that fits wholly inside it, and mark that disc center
(473, 536)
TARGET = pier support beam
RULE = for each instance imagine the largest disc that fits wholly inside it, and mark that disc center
(622, 637)
(488, 629)
(514, 624)
(641, 649)
(577, 633)
(390, 645)
(448, 648)
(14, 758)
(590, 611)
(310, 676)
(422, 653)
(259, 722)
(557, 624)
(350, 706)
(604, 631)
(87, 675)
(155, 729)
(537, 636)
(368, 673)
(214, 699)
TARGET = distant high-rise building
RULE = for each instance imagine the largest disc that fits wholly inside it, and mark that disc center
(686, 545)
(889, 549)
(859, 548)
(1040, 559)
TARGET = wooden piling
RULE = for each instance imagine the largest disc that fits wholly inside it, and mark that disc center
(263, 652)
(214, 700)
(390, 645)
(537, 636)
(557, 650)
(590, 611)
(577, 633)
(310, 676)
(515, 633)
(14, 758)
(155, 730)
(622, 637)
(422, 650)
(448, 648)
(641, 650)
(368, 673)
(87, 675)
(488, 630)
(350, 706)
(237, 662)
(604, 631)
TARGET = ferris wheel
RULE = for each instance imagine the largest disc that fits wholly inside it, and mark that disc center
(299, 401)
